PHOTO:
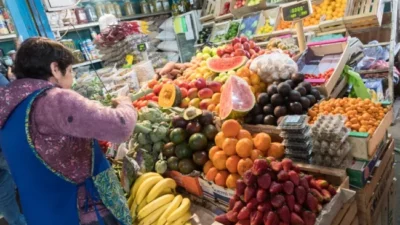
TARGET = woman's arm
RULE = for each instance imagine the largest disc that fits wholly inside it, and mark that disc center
(66, 112)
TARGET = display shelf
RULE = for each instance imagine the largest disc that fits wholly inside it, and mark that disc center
(7, 37)
(95, 24)
(87, 63)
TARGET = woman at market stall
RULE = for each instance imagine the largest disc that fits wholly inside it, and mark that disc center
(48, 135)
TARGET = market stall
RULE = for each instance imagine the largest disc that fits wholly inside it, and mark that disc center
(254, 129)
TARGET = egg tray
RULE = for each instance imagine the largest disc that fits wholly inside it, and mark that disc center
(341, 136)
(329, 161)
(295, 123)
(333, 150)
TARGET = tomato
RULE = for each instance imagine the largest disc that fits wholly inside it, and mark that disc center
(157, 89)
(149, 96)
(152, 83)
(154, 99)
(143, 103)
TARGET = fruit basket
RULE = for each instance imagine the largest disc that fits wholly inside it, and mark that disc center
(239, 8)
(363, 14)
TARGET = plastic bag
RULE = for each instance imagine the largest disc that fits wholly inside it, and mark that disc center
(274, 66)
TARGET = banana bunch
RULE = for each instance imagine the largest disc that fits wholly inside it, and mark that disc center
(153, 202)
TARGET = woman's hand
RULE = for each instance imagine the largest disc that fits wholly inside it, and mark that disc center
(121, 99)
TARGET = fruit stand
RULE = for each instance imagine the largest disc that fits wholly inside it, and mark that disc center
(254, 131)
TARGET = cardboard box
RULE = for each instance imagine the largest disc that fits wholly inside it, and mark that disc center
(189, 183)
(223, 195)
(364, 145)
(359, 173)
(208, 190)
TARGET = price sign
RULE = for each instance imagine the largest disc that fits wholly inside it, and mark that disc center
(142, 47)
(296, 11)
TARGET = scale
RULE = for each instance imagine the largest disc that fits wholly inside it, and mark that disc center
(295, 12)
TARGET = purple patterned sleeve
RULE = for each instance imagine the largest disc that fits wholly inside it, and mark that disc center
(66, 112)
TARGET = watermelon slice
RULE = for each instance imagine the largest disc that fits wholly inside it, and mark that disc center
(220, 65)
(236, 98)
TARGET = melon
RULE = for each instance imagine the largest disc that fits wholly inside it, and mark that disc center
(220, 65)
(236, 98)
(170, 95)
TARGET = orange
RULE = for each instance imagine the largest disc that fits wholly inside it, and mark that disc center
(231, 128)
(229, 146)
(244, 147)
(255, 154)
(232, 163)
(219, 139)
(211, 173)
(212, 151)
(220, 178)
(262, 141)
(243, 134)
(277, 150)
(231, 180)
(207, 166)
(219, 160)
(244, 165)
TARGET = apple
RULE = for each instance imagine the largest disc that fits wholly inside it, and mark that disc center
(244, 39)
(235, 41)
(248, 55)
(201, 83)
(206, 50)
(252, 44)
(228, 49)
(257, 49)
(192, 84)
(238, 46)
(240, 52)
(214, 86)
(246, 46)
(220, 52)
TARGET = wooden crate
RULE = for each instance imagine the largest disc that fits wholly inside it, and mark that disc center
(208, 11)
(332, 25)
(347, 214)
(334, 176)
(361, 14)
(240, 12)
(381, 34)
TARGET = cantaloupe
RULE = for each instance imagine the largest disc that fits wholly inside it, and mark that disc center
(170, 95)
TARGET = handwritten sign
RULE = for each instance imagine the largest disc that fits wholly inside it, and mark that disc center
(296, 11)
(142, 47)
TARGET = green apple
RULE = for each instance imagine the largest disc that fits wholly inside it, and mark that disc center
(207, 50)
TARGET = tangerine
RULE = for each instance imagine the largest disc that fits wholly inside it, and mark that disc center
(232, 163)
(244, 147)
(207, 166)
(243, 134)
(231, 180)
(219, 139)
(211, 173)
(212, 151)
(262, 141)
(229, 146)
(231, 128)
(276, 150)
(219, 160)
(255, 154)
(220, 178)
(244, 165)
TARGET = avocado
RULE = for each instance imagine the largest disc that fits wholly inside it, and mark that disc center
(297, 78)
(177, 135)
(186, 166)
(179, 121)
(280, 111)
(272, 89)
(312, 99)
(193, 127)
(296, 108)
(200, 158)
(182, 151)
(268, 109)
(198, 142)
(294, 96)
(206, 118)
(277, 99)
(263, 99)
(301, 90)
(191, 113)
(270, 120)
(284, 89)
(306, 85)
(259, 119)
(316, 93)
(291, 83)
(168, 150)
(172, 163)
(210, 131)
(305, 102)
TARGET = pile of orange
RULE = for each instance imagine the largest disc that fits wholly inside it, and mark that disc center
(362, 115)
(327, 10)
(235, 151)
(256, 85)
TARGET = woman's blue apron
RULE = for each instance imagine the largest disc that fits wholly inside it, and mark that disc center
(48, 197)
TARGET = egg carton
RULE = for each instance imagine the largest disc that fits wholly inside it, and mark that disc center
(294, 123)
(331, 136)
(329, 161)
(331, 148)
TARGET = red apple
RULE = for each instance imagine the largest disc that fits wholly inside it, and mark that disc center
(205, 103)
(228, 49)
(214, 86)
(240, 52)
(256, 49)
(201, 83)
(205, 93)
(220, 52)
(235, 41)
(238, 46)
(246, 46)
(244, 39)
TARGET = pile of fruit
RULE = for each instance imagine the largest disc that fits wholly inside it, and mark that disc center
(153, 201)
(240, 47)
(267, 28)
(362, 115)
(274, 193)
(278, 43)
(191, 136)
(294, 96)
(235, 152)
(325, 75)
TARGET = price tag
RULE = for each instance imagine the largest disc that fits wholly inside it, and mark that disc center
(142, 47)
(296, 11)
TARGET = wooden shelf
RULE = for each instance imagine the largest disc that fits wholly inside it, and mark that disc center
(87, 63)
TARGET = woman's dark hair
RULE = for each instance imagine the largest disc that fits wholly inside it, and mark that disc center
(35, 55)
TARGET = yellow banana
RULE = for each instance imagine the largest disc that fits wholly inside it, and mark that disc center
(139, 182)
(182, 219)
(130, 201)
(172, 207)
(180, 211)
(166, 191)
(150, 207)
(141, 206)
(133, 211)
(188, 223)
(153, 217)
(159, 187)
(145, 188)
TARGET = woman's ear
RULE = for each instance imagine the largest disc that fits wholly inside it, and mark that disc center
(55, 70)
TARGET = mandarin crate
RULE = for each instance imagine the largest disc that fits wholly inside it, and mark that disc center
(363, 14)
